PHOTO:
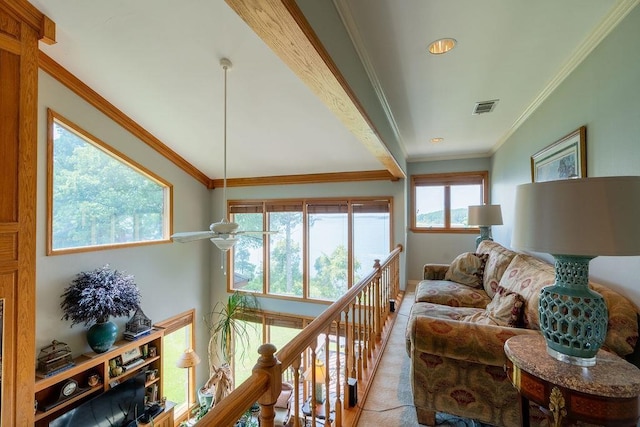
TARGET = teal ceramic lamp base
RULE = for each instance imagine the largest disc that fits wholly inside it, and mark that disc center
(319, 392)
(485, 234)
(573, 318)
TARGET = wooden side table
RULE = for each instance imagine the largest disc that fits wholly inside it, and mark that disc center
(604, 394)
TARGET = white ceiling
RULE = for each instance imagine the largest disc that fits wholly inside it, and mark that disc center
(158, 62)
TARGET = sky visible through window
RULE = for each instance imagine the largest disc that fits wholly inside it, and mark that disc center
(330, 230)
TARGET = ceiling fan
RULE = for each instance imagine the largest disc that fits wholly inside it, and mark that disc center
(222, 234)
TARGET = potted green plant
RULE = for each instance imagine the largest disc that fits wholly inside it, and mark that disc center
(225, 322)
(96, 296)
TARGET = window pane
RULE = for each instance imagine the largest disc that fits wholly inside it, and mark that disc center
(285, 253)
(281, 335)
(462, 196)
(328, 242)
(371, 241)
(247, 254)
(175, 381)
(430, 206)
(246, 354)
(100, 199)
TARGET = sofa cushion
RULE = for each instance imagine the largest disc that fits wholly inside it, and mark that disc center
(622, 329)
(450, 293)
(526, 276)
(505, 309)
(499, 259)
(467, 269)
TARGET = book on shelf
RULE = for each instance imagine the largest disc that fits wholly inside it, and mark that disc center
(63, 368)
(132, 336)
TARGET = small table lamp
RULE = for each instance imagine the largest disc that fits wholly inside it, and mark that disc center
(189, 359)
(484, 216)
(577, 220)
(320, 373)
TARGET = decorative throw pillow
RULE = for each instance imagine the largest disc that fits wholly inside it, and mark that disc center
(506, 308)
(467, 269)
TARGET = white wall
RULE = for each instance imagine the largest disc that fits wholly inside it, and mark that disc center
(172, 277)
(438, 247)
(603, 93)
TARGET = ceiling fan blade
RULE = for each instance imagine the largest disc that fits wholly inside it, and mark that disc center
(254, 232)
(190, 236)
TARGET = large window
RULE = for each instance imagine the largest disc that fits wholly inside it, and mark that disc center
(97, 197)
(178, 384)
(262, 328)
(322, 247)
(440, 201)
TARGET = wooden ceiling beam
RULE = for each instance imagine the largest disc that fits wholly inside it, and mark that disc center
(283, 27)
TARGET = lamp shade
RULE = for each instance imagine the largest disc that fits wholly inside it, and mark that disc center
(189, 359)
(588, 216)
(319, 372)
(485, 215)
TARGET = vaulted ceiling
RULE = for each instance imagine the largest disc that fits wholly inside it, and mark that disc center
(321, 86)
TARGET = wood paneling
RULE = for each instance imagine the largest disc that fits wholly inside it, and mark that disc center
(9, 105)
(21, 25)
(318, 178)
(8, 248)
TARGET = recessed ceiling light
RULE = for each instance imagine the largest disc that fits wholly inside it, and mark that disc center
(436, 140)
(441, 46)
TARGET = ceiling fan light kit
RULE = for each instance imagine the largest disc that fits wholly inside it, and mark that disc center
(224, 243)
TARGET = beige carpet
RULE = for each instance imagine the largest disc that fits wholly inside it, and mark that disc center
(390, 402)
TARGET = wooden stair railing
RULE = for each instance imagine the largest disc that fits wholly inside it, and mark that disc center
(359, 320)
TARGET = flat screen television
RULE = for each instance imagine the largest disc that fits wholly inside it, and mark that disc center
(118, 406)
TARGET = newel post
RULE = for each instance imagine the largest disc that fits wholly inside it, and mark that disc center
(270, 365)
(378, 300)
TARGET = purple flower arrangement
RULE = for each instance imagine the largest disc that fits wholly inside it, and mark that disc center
(95, 296)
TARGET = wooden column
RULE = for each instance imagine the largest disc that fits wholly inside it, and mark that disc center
(21, 25)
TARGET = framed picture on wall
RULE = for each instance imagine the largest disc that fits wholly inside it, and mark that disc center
(564, 159)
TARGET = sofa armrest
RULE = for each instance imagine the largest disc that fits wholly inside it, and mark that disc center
(471, 342)
(435, 271)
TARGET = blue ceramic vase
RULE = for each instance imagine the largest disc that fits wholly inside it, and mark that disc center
(101, 336)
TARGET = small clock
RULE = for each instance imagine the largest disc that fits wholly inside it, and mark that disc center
(69, 388)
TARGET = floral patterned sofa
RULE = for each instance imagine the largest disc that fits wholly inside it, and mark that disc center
(462, 315)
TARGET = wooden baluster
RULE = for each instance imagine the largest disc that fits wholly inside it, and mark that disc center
(338, 401)
(354, 363)
(347, 341)
(384, 283)
(377, 310)
(327, 379)
(359, 302)
(371, 333)
(365, 329)
(296, 391)
(312, 402)
(385, 294)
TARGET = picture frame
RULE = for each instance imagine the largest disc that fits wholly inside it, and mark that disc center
(563, 159)
(131, 355)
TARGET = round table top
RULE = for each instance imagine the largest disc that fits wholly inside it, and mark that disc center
(611, 376)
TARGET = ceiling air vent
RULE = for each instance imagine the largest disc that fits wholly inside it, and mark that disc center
(485, 106)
